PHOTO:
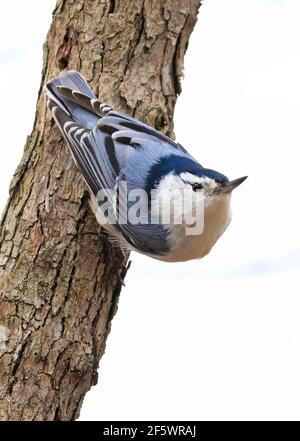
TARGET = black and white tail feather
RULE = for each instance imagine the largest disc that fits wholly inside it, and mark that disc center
(102, 141)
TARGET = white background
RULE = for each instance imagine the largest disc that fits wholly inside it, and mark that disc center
(217, 338)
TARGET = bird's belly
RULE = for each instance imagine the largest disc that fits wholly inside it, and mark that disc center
(187, 247)
(192, 247)
(184, 247)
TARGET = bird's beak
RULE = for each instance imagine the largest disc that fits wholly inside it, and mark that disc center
(231, 185)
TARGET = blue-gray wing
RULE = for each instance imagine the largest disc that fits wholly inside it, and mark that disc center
(108, 146)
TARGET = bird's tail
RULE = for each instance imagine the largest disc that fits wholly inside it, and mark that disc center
(71, 98)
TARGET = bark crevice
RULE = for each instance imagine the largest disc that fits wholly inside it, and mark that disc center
(60, 276)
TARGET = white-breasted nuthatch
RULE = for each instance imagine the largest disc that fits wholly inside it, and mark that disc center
(112, 149)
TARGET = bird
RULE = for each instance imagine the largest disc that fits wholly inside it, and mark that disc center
(114, 151)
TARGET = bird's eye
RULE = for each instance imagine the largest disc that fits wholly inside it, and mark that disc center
(197, 186)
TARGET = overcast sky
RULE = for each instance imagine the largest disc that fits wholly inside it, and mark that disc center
(217, 338)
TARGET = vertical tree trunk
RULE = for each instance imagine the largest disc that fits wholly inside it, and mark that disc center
(60, 278)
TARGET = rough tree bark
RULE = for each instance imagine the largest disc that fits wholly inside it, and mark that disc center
(60, 277)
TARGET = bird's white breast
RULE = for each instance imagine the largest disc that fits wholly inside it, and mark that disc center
(183, 247)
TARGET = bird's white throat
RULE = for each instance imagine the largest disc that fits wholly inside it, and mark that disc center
(217, 216)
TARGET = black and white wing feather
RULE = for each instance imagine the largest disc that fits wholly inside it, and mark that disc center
(105, 145)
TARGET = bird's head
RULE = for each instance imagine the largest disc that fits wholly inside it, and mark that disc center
(209, 184)
(205, 203)
(205, 184)
(187, 187)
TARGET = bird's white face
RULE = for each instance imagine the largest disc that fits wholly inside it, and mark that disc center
(206, 215)
(200, 212)
(205, 188)
(211, 189)
(186, 181)
(189, 193)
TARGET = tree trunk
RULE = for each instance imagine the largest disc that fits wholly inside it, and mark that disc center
(60, 277)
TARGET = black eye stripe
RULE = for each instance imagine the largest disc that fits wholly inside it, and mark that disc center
(197, 186)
